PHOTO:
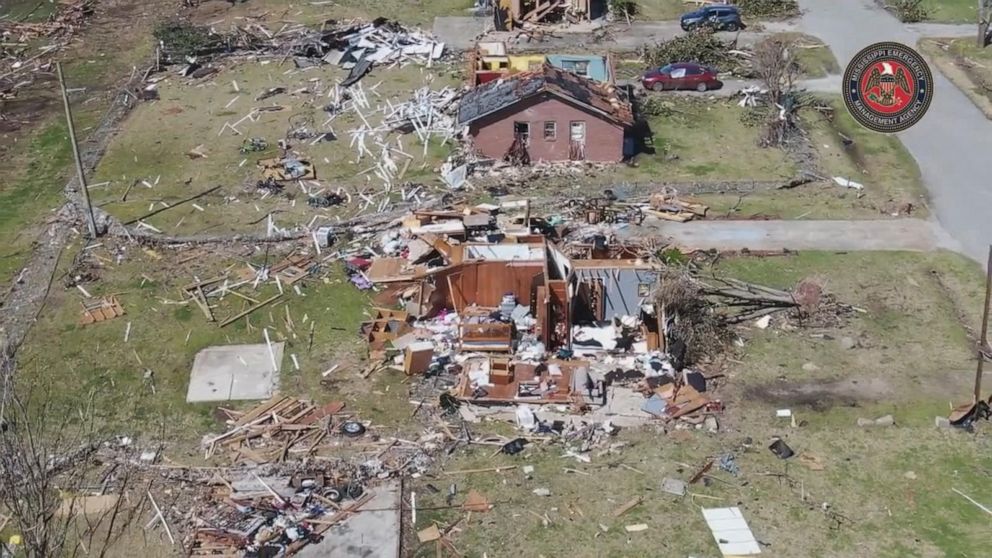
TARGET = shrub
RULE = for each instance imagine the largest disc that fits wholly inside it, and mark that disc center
(182, 39)
(910, 11)
(768, 8)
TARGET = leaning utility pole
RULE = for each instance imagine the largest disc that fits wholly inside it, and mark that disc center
(983, 340)
(90, 222)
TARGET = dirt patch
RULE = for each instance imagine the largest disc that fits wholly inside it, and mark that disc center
(31, 105)
(821, 395)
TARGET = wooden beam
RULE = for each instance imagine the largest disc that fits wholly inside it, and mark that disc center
(240, 315)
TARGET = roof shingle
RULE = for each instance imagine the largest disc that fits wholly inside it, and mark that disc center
(497, 95)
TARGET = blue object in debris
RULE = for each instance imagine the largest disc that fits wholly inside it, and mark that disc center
(655, 405)
(294, 168)
(728, 464)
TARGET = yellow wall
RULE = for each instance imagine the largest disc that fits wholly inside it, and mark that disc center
(523, 63)
(493, 63)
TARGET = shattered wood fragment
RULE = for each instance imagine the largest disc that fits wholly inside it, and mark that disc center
(106, 308)
(476, 502)
(633, 503)
(244, 313)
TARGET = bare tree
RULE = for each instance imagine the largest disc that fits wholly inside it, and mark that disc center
(776, 66)
(984, 19)
(48, 459)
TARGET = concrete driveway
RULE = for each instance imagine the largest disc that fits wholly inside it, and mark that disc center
(915, 235)
(462, 33)
(951, 144)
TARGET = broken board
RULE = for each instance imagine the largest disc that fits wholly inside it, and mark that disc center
(106, 308)
(731, 532)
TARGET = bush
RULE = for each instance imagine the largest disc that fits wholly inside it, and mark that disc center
(622, 9)
(652, 105)
(768, 8)
(910, 11)
(181, 39)
(752, 117)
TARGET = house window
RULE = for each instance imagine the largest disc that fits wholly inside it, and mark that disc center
(550, 130)
(521, 131)
(580, 67)
(577, 131)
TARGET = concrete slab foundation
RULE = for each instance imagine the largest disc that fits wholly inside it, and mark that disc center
(234, 372)
(368, 534)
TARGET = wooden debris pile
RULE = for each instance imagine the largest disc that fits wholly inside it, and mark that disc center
(16, 36)
(427, 114)
(62, 25)
(101, 310)
(276, 429)
(285, 274)
(668, 206)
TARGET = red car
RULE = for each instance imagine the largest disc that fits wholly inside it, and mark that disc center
(681, 76)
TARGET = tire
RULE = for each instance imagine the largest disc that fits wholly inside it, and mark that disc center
(352, 429)
(334, 495)
(701, 87)
(658, 86)
(732, 27)
(355, 491)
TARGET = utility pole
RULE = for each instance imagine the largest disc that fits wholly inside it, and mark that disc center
(983, 340)
(90, 221)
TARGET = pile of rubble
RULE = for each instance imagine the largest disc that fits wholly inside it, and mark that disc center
(352, 45)
(17, 39)
(62, 25)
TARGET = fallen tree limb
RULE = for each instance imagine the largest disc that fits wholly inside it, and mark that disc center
(177, 204)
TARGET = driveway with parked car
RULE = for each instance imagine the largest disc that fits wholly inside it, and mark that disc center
(681, 76)
(717, 16)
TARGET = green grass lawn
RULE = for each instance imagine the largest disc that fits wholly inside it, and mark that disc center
(966, 65)
(895, 484)
(37, 165)
(815, 57)
(710, 144)
(662, 9)
(26, 10)
(66, 360)
(952, 11)
(153, 144)
(890, 176)
(408, 12)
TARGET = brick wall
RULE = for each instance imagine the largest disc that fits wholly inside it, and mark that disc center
(493, 134)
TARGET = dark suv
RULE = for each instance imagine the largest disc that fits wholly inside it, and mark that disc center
(718, 16)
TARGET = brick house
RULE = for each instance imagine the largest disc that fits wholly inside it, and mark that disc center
(547, 115)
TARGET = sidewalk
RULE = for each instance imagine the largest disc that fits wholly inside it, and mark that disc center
(915, 235)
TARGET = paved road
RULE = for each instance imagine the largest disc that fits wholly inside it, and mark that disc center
(951, 144)
(893, 234)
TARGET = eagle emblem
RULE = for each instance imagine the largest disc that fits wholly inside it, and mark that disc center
(887, 81)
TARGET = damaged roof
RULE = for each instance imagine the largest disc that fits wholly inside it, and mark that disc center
(498, 95)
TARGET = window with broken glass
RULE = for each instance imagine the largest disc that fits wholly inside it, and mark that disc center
(550, 130)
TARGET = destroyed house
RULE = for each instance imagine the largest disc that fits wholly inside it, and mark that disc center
(547, 301)
(547, 115)
(480, 288)
(513, 14)
(490, 61)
